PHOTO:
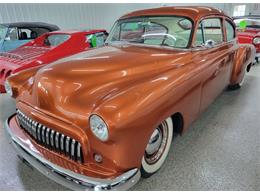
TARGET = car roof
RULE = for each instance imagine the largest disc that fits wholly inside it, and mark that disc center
(32, 25)
(193, 12)
(70, 32)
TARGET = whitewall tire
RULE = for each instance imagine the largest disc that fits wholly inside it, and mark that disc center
(157, 148)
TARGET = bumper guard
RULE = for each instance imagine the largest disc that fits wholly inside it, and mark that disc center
(68, 178)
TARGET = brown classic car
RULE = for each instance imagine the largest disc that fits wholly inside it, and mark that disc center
(101, 119)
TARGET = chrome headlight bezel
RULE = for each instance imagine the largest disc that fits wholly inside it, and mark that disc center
(8, 88)
(98, 127)
(256, 40)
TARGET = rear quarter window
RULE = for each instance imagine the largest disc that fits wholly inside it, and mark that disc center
(55, 40)
(230, 31)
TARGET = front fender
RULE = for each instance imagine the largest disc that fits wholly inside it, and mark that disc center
(130, 120)
(19, 80)
(133, 113)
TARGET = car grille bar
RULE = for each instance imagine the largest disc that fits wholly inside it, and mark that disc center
(51, 139)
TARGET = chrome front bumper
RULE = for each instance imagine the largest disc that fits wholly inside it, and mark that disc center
(68, 178)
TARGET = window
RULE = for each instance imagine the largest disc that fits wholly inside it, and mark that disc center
(199, 36)
(55, 40)
(209, 30)
(97, 39)
(24, 34)
(230, 31)
(3, 30)
(161, 31)
(239, 10)
(154, 34)
(212, 30)
(31, 33)
(12, 34)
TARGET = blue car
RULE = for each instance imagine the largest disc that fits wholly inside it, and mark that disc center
(13, 35)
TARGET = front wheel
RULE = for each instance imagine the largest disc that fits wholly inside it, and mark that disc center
(157, 148)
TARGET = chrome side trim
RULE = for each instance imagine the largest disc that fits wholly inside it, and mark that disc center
(68, 178)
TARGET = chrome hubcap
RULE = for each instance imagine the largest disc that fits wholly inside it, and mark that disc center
(156, 144)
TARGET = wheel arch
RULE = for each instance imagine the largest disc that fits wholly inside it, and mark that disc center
(178, 123)
(243, 60)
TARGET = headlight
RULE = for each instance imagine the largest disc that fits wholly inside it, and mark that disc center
(256, 40)
(98, 127)
(8, 88)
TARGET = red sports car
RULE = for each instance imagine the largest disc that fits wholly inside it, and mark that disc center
(248, 28)
(46, 49)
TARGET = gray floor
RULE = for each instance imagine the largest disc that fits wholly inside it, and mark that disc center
(220, 151)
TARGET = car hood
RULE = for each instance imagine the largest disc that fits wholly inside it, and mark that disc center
(24, 55)
(81, 82)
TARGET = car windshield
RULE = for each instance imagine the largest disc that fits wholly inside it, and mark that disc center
(242, 23)
(3, 30)
(55, 40)
(170, 31)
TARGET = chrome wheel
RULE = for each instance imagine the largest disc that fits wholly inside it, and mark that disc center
(156, 144)
(157, 148)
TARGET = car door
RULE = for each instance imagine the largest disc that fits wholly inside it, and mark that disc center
(213, 57)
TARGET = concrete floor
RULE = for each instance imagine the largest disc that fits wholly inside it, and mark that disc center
(220, 151)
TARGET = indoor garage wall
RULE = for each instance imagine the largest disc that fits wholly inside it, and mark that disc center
(83, 16)
(69, 16)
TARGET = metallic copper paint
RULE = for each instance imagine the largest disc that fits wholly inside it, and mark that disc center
(132, 87)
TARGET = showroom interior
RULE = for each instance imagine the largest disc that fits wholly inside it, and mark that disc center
(220, 150)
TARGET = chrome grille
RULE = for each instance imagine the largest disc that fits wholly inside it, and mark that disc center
(51, 139)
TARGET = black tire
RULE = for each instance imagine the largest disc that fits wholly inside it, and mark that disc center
(234, 87)
(237, 86)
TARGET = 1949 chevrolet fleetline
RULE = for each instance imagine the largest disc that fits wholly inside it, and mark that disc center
(101, 119)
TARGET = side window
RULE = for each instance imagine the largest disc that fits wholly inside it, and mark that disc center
(31, 33)
(97, 39)
(230, 31)
(12, 34)
(24, 34)
(199, 41)
(38, 31)
(212, 30)
(209, 32)
(55, 39)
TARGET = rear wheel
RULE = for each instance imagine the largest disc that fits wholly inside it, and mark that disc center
(238, 85)
(157, 148)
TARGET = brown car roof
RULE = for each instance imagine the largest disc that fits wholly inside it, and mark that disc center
(193, 12)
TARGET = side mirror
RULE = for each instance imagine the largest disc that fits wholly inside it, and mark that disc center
(210, 43)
